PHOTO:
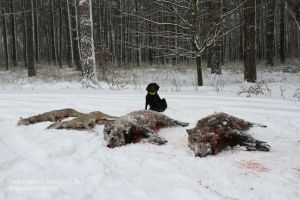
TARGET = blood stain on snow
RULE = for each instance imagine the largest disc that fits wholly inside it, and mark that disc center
(253, 166)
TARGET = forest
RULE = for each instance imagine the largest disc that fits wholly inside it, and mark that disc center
(204, 33)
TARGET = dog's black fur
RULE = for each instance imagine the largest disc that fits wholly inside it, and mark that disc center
(153, 99)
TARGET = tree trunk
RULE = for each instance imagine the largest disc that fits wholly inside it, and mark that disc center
(29, 40)
(70, 55)
(209, 56)
(151, 51)
(89, 78)
(53, 39)
(282, 31)
(259, 30)
(60, 35)
(4, 29)
(249, 41)
(194, 43)
(13, 34)
(75, 37)
(270, 32)
(241, 37)
(121, 33)
(199, 71)
(48, 42)
(36, 31)
(297, 11)
(24, 35)
(216, 48)
(138, 48)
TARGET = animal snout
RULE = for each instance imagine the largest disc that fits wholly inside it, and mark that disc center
(111, 143)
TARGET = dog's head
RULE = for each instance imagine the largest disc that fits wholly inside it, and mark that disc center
(152, 88)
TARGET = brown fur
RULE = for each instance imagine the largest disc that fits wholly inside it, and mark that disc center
(52, 116)
(81, 121)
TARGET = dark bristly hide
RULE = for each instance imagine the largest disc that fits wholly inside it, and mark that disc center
(137, 125)
(217, 131)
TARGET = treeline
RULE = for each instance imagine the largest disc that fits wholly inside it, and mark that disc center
(153, 31)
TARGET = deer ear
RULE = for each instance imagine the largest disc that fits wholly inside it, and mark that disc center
(189, 131)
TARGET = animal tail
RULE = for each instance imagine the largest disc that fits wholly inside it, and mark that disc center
(252, 144)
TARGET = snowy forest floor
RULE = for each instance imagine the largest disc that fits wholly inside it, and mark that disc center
(64, 164)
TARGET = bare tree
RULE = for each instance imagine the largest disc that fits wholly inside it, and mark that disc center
(29, 39)
(249, 41)
(36, 30)
(5, 39)
(53, 38)
(270, 32)
(282, 30)
(24, 35)
(70, 53)
(216, 46)
(75, 36)
(89, 78)
(60, 34)
(194, 41)
(13, 33)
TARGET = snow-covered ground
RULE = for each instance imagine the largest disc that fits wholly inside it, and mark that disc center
(64, 164)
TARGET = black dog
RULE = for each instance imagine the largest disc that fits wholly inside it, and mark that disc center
(153, 99)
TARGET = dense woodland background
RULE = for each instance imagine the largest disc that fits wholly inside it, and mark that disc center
(138, 32)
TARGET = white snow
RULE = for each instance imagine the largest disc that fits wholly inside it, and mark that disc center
(64, 164)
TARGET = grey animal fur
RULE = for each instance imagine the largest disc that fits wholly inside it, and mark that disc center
(137, 125)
